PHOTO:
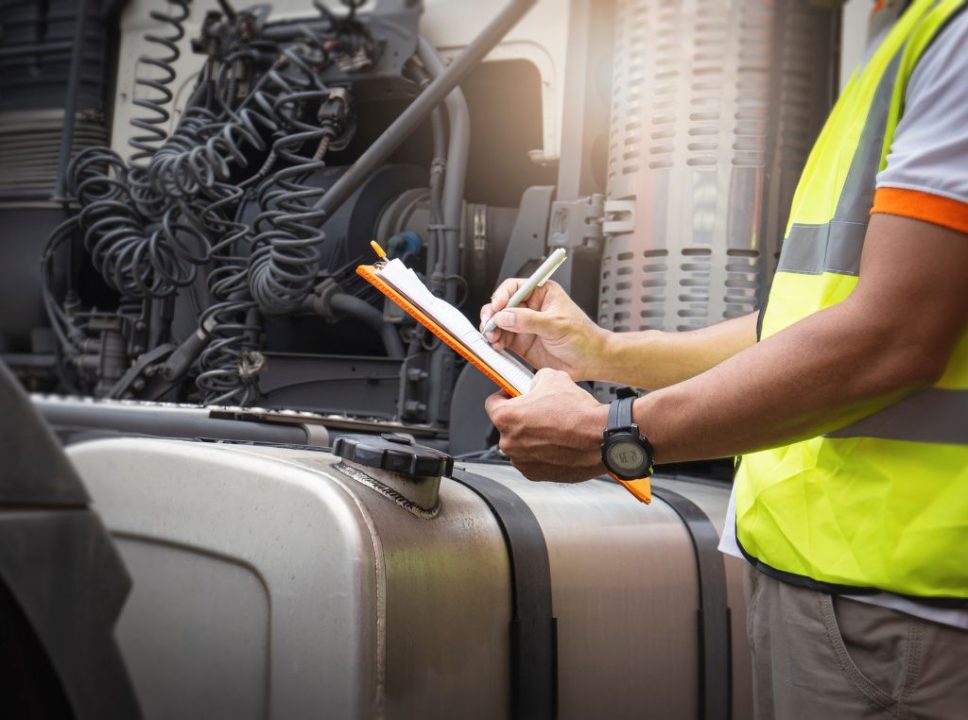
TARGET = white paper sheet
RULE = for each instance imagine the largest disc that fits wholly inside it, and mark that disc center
(406, 281)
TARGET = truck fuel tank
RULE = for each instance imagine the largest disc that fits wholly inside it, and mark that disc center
(290, 582)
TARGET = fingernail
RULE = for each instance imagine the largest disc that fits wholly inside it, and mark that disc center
(504, 319)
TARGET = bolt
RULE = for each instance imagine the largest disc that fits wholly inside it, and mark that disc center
(414, 409)
(416, 374)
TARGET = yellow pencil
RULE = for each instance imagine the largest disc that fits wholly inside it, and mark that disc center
(378, 250)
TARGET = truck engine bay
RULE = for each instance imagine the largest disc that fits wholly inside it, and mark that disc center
(206, 256)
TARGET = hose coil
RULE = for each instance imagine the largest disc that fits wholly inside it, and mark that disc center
(136, 261)
(160, 94)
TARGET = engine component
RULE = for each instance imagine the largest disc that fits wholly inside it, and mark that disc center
(285, 255)
(323, 589)
(43, 91)
(55, 72)
(715, 109)
(158, 95)
(214, 265)
(211, 239)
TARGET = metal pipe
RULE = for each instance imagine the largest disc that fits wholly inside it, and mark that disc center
(17, 51)
(363, 311)
(422, 106)
(458, 150)
(75, 417)
(70, 105)
(438, 165)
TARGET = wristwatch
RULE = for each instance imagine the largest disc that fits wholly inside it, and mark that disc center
(627, 455)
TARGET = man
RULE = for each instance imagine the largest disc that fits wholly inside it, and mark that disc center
(848, 403)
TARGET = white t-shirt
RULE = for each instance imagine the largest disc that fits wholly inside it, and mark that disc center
(930, 149)
(929, 155)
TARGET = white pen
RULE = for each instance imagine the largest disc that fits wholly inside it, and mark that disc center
(537, 279)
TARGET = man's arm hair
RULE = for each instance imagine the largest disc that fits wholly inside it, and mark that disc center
(894, 334)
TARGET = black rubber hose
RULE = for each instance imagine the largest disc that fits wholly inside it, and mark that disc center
(363, 311)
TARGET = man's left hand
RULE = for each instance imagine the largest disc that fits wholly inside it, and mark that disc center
(554, 432)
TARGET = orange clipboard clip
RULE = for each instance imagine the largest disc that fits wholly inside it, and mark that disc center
(641, 489)
(369, 273)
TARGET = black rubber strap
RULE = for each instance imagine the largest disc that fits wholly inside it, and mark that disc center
(620, 413)
(612, 415)
(715, 667)
(534, 652)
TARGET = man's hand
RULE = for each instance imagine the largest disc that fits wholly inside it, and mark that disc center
(548, 330)
(554, 432)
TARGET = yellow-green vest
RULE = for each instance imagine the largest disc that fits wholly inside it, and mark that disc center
(882, 502)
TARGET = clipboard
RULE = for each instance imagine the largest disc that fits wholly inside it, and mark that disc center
(640, 489)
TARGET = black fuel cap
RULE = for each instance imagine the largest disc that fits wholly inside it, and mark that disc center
(393, 451)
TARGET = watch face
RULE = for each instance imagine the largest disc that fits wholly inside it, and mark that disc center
(627, 457)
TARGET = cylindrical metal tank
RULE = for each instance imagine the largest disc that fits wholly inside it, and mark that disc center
(715, 105)
(275, 582)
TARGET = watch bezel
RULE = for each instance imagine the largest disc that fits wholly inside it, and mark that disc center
(629, 433)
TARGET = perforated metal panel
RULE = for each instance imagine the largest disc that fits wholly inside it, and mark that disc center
(714, 108)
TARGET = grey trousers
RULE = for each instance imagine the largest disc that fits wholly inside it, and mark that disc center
(823, 657)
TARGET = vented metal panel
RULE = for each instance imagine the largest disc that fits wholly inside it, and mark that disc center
(36, 45)
(37, 48)
(30, 146)
(715, 105)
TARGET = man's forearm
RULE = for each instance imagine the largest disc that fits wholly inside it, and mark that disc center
(655, 359)
(799, 383)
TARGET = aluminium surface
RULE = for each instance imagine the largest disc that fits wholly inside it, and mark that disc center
(264, 586)
(267, 583)
(715, 108)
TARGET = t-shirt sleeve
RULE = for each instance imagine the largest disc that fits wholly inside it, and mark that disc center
(926, 175)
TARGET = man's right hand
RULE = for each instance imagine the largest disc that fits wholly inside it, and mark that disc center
(547, 330)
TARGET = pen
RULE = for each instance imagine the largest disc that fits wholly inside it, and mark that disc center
(537, 279)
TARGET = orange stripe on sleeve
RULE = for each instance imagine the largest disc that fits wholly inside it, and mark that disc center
(922, 206)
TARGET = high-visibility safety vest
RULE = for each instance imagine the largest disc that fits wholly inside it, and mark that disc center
(882, 503)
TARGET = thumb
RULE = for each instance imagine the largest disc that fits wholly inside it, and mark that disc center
(523, 320)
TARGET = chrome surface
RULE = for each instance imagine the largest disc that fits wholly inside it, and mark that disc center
(268, 583)
(715, 108)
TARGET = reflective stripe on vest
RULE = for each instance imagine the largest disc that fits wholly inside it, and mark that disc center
(882, 502)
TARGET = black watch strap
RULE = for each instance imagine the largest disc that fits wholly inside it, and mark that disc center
(620, 413)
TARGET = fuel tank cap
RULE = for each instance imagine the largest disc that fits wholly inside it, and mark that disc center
(396, 452)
